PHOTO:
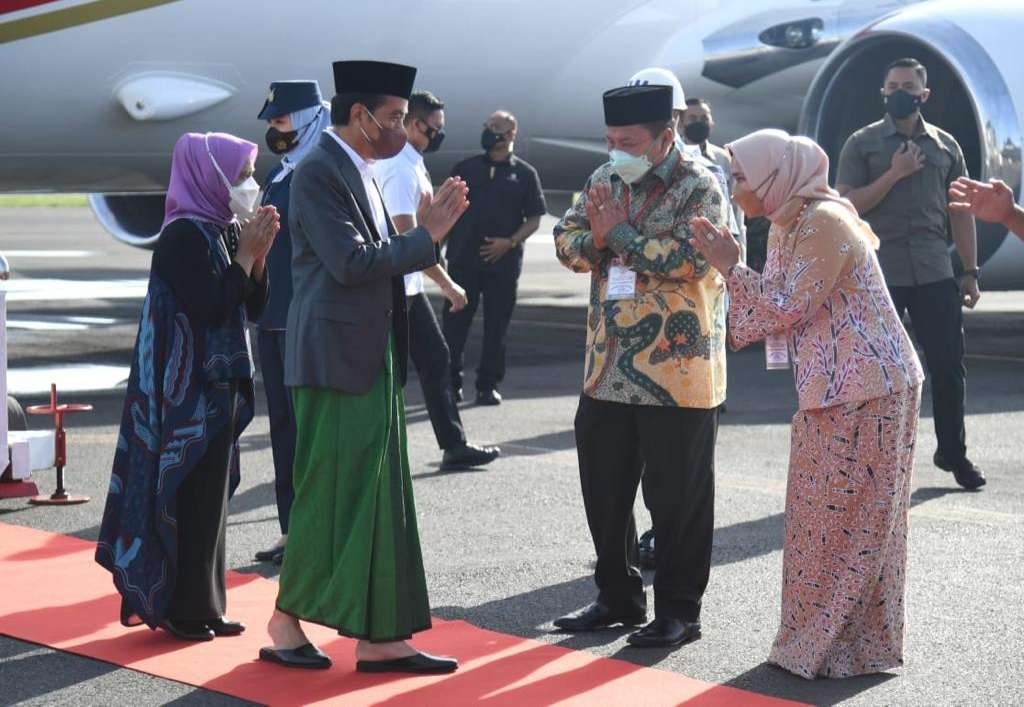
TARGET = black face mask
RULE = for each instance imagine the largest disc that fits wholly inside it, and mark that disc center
(697, 132)
(280, 143)
(435, 142)
(434, 138)
(900, 104)
(489, 139)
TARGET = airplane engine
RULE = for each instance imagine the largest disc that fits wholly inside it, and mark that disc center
(962, 45)
(134, 219)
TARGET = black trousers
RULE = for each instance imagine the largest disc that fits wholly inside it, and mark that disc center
(200, 592)
(677, 446)
(937, 316)
(496, 285)
(432, 361)
(282, 420)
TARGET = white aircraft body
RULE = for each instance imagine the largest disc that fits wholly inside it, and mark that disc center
(95, 92)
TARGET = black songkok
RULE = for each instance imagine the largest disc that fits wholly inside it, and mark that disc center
(374, 77)
(637, 105)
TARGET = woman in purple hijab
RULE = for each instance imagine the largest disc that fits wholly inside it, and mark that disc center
(190, 394)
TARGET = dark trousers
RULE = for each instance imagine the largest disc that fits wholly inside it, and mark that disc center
(496, 285)
(199, 589)
(937, 317)
(282, 420)
(678, 450)
(432, 361)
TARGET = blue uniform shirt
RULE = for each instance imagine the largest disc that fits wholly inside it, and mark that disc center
(279, 261)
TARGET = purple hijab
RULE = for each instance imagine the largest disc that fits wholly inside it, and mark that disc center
(196, 190)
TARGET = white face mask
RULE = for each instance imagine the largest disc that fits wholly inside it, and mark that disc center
(630, 168)
(243, 197)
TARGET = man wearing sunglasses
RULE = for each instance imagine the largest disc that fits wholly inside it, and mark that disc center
(403, 181)
(485, 250)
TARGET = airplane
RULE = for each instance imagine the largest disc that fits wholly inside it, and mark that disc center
(97, 91)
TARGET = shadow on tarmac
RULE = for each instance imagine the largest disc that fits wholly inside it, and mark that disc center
(769, 679)
(733, 543)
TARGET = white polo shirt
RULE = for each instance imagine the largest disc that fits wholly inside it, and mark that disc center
(404, 180)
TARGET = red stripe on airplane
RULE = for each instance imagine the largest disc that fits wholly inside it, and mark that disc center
(7, 6)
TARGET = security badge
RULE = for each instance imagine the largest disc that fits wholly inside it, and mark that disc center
(270, 96)
(621, 281)
(776, 352)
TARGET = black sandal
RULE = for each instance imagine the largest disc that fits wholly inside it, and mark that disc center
(306, 656)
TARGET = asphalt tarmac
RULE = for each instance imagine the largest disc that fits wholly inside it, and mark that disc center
(508, 548)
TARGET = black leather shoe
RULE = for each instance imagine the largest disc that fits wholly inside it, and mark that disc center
(306, 656)
(269, 555)
(488, 397)
(421, 663)
(187, 630)
(969, 476)
(663, 633)
(597, 616)
(468, 456)
(940, 461)
(221, 627)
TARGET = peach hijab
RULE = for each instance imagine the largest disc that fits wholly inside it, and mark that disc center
(781, 167)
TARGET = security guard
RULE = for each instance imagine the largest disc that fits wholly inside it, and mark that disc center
(485, 249)
(296, 116)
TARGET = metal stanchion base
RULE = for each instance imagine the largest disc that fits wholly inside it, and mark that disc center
(55, 500)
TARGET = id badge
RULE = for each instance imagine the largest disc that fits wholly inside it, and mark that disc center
(621, 281)
(776, 352)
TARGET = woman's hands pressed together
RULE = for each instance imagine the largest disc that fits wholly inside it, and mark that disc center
(256, 239)
(717, 245)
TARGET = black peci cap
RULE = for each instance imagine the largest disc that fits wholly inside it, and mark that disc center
(376, 77)
(636, 105)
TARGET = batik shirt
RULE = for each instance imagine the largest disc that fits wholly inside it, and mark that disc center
(666, 345)
(822, 287)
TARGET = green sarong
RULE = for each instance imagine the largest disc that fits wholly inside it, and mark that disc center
(353, 561)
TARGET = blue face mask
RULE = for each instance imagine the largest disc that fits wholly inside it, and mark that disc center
(631, 168)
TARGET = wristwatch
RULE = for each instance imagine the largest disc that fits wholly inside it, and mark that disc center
(973, 272)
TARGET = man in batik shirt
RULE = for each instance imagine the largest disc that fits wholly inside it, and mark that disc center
(655, 367)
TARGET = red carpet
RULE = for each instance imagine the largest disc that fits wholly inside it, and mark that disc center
(55, 595)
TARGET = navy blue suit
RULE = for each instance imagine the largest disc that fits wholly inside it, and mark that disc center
(271, 342)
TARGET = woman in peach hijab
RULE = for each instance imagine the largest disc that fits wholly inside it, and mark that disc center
(822, 301)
